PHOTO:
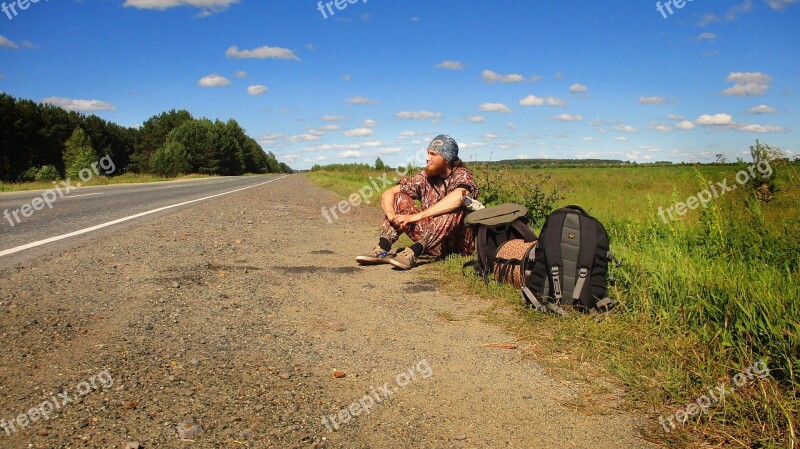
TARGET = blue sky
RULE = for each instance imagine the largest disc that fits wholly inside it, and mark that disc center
(507, 79)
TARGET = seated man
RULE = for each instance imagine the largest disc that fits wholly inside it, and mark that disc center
(438, 229)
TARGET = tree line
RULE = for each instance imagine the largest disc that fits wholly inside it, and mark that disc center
(44, 142)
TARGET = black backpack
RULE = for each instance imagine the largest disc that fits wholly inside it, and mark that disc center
(570, 265)
(492, 227)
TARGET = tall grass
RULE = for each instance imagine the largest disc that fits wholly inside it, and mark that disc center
(699, 298)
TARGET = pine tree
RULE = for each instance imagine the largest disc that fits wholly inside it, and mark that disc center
(78, 154)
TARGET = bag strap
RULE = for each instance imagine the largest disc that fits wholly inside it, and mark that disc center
(552, 251)
(523, 230)
(586, 256)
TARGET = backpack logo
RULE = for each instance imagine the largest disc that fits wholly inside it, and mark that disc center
(571, 235)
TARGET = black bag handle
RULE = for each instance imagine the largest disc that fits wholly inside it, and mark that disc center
(577, 208)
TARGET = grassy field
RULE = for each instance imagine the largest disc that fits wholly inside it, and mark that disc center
(700, 299)
(128, 178)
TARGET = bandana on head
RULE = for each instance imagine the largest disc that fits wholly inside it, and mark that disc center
(446, 146)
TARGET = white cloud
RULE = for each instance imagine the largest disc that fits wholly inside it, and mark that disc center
(359, 132)
(568, 118)
(714, 120)
(654, 100)
(476, 118)
(578, 89)
(760, 129)
(416, 19)
(685, 125)
(214, 81)
(780, 5)
(493, 77)
(418, 115)
(511, 126)
(334, 118)
(662, 128)
(675, 117)
(450, 65)
(706, 37)
(736, 10)
(316, 132)
(289, 156)
(273, 136)
(761, 109)
(265, 52)
(240, 74)
(369, 123)
(303, 138)
(360, 100)
(257, 89)
(79, 105)
(207, 6)
(6, 43)
(350, 154)
(625, 129)
(331, 127)
(746, 84)
(490, 136)
(588, 139)
(494, 107)
(346, 77)
(533, 100)
(621, 139)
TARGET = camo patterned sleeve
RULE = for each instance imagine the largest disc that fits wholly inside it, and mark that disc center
(462, 178)
(414, 186)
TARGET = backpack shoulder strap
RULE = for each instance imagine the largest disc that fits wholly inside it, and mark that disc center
(552, 250)
(586, 257)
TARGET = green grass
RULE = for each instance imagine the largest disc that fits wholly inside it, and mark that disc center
(699, 299)
(128, 178)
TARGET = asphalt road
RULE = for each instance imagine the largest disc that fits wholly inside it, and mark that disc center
(74, 212)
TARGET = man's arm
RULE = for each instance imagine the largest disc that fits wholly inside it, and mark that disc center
(387, 202)
(448, 204)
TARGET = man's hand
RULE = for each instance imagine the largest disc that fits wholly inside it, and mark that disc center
(402, 221)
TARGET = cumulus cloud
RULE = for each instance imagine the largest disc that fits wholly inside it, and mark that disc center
(533, 100)
(214, 81)
(333, 118)
(714, 120)
(6, 43)
(257, 89)
(418, 115)
(654, 100)
(761, 109)
(206, 6)
(450, 65)
(360, 100)
(240, 74)
(568, 118)
(265, 52)
(476, 118)
(359, 132)
(578, 89)
(71, 104)
(491, 77)
(625, 129)
(685, 125)
(369, 123)
(747, 84)
(780, 5)
(495, 107)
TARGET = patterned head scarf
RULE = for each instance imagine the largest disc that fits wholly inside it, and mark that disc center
(446, 146)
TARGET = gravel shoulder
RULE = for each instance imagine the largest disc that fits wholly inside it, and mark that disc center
(235, 315)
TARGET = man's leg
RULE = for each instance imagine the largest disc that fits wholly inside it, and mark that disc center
(381, 253)
(435, 236)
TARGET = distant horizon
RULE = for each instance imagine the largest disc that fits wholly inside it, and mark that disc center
(567, 80)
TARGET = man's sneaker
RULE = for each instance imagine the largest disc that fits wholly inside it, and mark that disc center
(375, 256)
(405, 260)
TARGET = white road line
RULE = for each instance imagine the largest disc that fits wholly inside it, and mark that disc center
(85, 194)
(120, 220)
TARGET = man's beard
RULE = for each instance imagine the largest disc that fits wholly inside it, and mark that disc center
(436, 169)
